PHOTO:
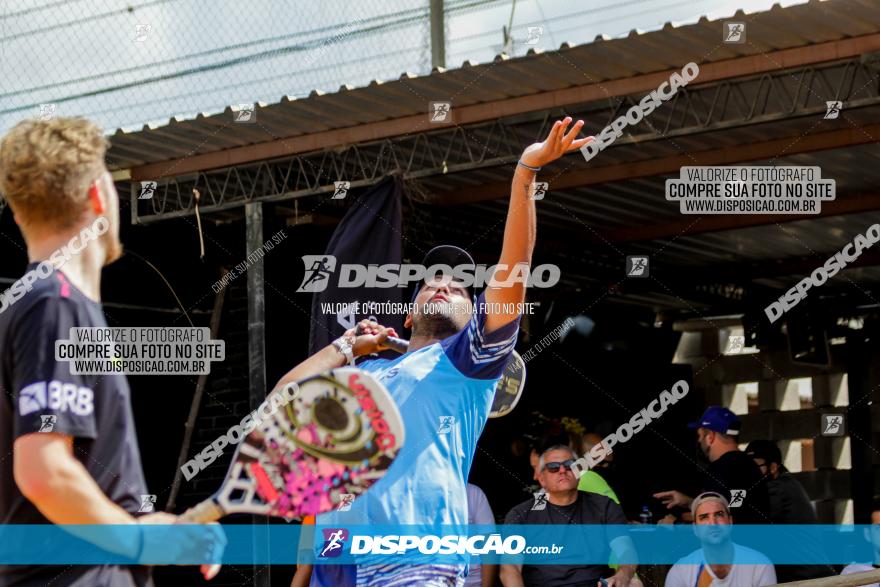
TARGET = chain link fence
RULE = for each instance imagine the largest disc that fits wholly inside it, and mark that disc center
(127, 65)
(143, 64)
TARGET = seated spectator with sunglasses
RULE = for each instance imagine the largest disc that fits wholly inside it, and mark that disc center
(562, 503)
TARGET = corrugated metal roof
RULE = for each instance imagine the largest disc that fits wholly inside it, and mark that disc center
(503, 78)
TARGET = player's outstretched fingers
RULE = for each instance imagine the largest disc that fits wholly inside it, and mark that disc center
(570, 135)
(563, 128)
(555, 131)
(577, 144)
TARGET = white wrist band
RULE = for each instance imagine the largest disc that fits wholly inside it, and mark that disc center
(345, 345)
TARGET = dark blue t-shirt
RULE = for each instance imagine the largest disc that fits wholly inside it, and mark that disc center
(588, 508)
(39, 395)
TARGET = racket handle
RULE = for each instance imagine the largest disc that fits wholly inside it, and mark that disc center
(397, 344)
(204, 513)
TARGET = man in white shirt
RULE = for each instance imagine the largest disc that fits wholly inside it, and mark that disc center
(872, 536)
(480, 514)
(712, 519)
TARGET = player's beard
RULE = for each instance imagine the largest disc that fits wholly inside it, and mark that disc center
(702, 455)
(436, 324)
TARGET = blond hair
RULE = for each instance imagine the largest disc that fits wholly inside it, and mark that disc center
(47, 166)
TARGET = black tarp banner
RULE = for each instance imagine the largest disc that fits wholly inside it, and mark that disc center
(369, 234)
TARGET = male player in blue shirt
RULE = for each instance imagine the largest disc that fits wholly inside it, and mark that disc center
(443, 385)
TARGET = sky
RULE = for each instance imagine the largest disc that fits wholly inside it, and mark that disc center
(126, 65)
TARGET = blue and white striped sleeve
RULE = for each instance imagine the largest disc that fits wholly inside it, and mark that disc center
(479, 355)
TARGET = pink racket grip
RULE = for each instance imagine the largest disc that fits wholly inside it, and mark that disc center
(398, 345)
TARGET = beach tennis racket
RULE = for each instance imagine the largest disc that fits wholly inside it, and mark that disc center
(329, 444)
(509, 388)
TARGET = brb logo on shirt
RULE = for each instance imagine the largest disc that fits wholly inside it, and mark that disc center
(57, 397)
(334, 540)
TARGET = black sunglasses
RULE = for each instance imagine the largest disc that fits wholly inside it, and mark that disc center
(555, 466)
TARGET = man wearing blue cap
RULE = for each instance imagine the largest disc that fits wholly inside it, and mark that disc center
(731, 472)
(443, 386)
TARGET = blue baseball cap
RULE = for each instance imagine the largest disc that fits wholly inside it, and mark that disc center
(718, 419)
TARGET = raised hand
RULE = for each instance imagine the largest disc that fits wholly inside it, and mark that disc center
(560, 141)
(370, 337)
